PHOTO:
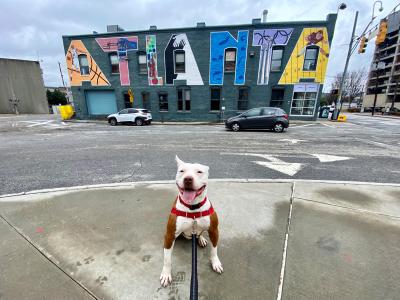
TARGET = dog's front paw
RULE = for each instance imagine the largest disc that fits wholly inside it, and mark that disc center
(202, 241)
(216, 265)
(165, 278)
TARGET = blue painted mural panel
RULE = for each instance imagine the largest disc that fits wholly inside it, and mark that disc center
(219, 42)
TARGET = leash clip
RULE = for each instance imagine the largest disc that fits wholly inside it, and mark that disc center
(193, 225)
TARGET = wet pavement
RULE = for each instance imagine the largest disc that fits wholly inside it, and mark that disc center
(105, 242)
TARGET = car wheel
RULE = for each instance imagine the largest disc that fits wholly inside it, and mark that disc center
(278, 127)
(235, 126)
(113, 122)
(139, 122)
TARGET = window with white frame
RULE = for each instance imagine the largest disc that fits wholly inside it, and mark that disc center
(230, 60)
(304, 100)
(142, 60)
(310, 58)
(114, 62)
(83, 64)
(183, 99)
(179, 61)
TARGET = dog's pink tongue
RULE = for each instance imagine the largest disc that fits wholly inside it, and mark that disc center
(188, 196)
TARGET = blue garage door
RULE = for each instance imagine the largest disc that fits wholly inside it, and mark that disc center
(101, 102)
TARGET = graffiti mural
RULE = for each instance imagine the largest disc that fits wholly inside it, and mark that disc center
(121, 45)
(219, 41)
(266, 39)
(151, 54)
(192, 73)
(88, 71)
(294, 70)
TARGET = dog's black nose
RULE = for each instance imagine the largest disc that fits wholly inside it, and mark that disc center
(188, 180)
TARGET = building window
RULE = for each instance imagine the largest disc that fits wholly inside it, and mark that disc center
(146, 100)
(277, 96)
(83, 64)
(303, 103)
(183, 99)
(310, 59)
(179, 61)
(114, 62)
(215, 98)
(243, 98)
(142, 60)
(230, 60)
(163, 101)
(276, 58)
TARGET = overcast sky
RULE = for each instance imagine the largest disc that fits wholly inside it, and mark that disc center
(33, 29)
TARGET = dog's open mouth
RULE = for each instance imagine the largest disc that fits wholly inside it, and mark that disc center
(188, 195)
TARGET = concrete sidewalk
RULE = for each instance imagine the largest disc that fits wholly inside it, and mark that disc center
(105, 242)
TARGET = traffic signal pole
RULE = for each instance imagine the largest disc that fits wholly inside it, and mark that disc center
(338, 104)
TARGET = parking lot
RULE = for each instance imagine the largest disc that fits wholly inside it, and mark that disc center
(41, 152)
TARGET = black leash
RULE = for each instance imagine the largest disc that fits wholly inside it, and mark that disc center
(194, 285)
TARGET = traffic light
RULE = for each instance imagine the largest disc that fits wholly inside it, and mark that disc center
(363, 45)
(382, 32)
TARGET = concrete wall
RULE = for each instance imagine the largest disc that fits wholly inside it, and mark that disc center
(25, 79)
(199, 39)
(368, 100)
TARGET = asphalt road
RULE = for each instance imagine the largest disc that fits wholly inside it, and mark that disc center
(39, 152)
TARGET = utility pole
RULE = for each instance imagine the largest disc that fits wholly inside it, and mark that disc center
(395, 95)
(377, 79)
(338, 104)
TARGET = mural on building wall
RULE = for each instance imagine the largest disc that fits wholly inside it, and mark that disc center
(294, 69)
(151, 54)
(266, 39)
(219, 42)
(121, 45)
(192, 74)
(90, 71)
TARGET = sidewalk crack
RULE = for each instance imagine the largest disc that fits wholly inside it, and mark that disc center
(284, 252)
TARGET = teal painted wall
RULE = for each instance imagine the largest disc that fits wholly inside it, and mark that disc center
(199, 39)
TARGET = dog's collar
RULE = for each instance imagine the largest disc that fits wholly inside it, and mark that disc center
(194, 206)
(192, 215)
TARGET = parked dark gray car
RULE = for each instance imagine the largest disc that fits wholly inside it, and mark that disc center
(260, 118)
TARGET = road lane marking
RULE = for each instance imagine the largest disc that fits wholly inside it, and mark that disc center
(330, 158)
(40, 123)
(330, 126)
(293, 141)
(305, 125)
(273, 163)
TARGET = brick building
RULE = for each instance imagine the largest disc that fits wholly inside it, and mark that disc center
(191, 74)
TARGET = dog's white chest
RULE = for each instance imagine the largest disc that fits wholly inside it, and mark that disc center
(188, 225)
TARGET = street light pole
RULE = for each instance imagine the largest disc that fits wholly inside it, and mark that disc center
(338, 104)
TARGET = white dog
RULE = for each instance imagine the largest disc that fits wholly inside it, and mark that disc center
(192, 212)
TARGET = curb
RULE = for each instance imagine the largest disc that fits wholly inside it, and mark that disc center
(131, 184)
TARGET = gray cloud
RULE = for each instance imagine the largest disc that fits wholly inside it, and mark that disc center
(33, 29)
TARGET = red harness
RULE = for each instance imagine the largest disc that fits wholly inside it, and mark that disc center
(192, 215)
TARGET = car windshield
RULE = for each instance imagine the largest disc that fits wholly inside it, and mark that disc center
(144, 111)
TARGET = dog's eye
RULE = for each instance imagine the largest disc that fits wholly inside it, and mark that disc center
(200, 172)
(181, 171)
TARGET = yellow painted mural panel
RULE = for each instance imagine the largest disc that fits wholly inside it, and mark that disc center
(294, 70)
(82, 67)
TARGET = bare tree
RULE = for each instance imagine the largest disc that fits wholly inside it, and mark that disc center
(353, 85)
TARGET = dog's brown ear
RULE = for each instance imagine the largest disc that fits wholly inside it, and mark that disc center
(178, 161)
